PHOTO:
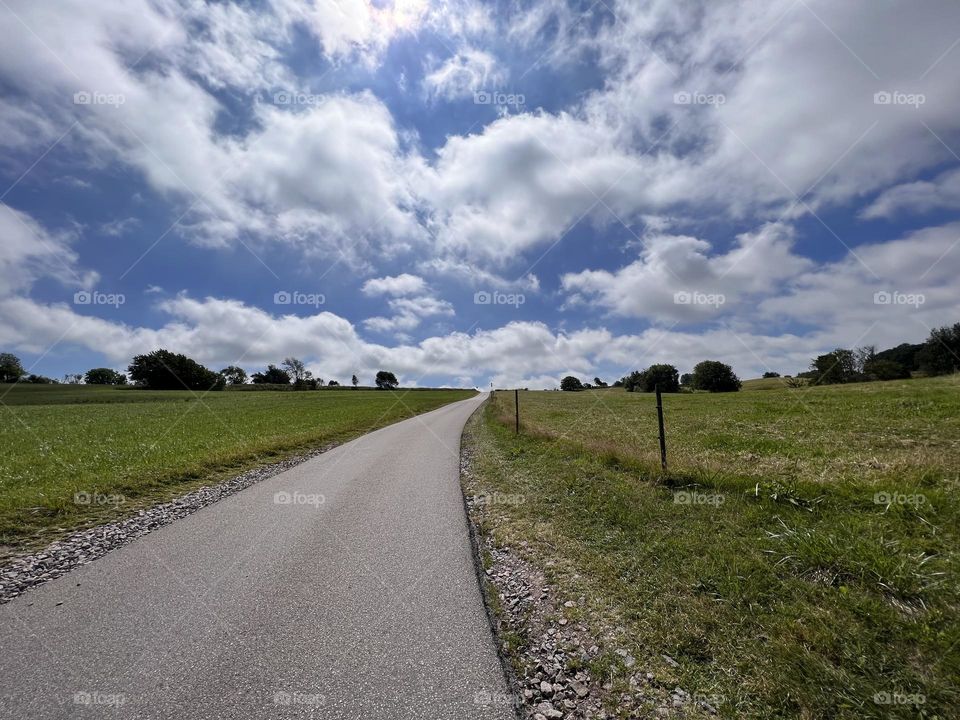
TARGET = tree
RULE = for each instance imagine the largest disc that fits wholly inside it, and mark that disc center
(333, 383)
(880, 369)
(272, 376)
(839, 366)
(770, 374)
(39, 380)
(356, 381)
(11, 369)
(715, 376)
(386, 380)
(164, 370)
(905, 354)
(295, 369)
(599, 383)
(686, 380)
(571, 384)
(667, 377)
(941, 353)
(234, 375)
(73, 378)
(104, 376)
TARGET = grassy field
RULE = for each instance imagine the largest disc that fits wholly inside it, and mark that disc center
(148, 446)
(799, 558)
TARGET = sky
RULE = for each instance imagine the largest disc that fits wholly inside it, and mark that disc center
(468, 193)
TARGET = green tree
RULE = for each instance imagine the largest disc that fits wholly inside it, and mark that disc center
(715, 376)
(271, 376)
(104, 376)
(386, 380)
(839, 366)
(11, 369)
(941, 353)
(295, 369)
(234, 375)
(164, 370)
(771, 374)
(599, 383)
(667, 377)
(356, 381)
(571, 384)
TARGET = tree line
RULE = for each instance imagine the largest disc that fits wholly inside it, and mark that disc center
(165, 370)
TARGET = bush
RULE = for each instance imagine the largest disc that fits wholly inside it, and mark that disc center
(571, 384)
(164, 370)
(770, 374)
(880, 369)
(104, 376)
(715, 376)
(667, 377)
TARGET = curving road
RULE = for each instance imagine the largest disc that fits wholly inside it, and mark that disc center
(273, 604)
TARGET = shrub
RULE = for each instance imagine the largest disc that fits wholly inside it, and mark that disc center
(271, 376)
(770, 374)
(880, 369)
(164, 370)
(715, 376)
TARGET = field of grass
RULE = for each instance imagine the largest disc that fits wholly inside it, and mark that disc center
(799, 558)
(145, 446)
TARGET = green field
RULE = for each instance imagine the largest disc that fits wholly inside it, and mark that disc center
(799, 558)
(59, 440)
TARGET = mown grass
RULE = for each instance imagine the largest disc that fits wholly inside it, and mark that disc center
(761, 561)
(149, 446)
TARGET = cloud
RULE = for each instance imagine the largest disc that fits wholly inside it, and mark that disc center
(464, 74)
(941, 193)
(404, 284)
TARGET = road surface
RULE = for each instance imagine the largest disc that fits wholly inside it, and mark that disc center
(341, 588)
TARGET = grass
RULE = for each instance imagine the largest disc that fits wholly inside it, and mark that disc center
(150, 446)
(762, 561)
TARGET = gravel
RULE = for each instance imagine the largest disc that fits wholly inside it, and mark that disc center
(22, 572)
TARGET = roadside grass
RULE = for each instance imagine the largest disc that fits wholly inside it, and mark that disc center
(147, 447)
(763, 561)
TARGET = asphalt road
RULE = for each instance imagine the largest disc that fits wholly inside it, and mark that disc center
(364, 605)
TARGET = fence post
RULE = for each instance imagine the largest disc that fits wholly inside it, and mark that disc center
(516, 402)
(663, 439)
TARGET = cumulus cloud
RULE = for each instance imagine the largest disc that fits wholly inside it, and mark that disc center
(922, 196)
(464, 74)
(409, 299)
(403, 284)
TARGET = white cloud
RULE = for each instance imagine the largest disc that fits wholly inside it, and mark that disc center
(941, 193)
(464, 74)
(403, 284)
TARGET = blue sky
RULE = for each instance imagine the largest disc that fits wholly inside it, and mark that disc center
(626, 183)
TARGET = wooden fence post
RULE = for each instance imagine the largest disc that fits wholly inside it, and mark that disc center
(663, 439)
(516, 401)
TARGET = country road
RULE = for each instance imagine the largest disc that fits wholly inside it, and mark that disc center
(341, 588)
